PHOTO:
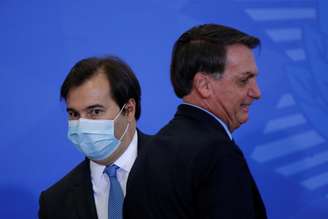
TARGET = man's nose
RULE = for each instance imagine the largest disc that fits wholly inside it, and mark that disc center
(255, 91)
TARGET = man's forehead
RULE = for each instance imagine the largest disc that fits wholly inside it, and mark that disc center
(89, 95)
(236, 52)
(241, 59)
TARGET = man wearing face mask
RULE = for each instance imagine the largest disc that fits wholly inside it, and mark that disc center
(103, 103)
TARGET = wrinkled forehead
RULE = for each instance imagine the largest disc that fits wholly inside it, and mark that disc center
(240, 59)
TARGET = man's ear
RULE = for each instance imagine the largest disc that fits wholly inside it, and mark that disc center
(130, 109)
(201, 84)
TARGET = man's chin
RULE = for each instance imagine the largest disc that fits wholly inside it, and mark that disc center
(243, 119)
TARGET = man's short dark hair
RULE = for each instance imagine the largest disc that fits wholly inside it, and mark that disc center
(203, 49)
(123, 82)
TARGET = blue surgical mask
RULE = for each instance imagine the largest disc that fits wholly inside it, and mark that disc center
(95, 138)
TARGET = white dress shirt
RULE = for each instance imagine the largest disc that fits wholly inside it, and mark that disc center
(100, 180)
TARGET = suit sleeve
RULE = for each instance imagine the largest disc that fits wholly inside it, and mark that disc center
(226, 190)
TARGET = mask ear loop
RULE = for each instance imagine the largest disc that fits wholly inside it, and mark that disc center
(127, 127)
(119, 113)
(125, 131)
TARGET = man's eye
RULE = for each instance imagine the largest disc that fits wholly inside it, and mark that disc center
(243, 81)
(73, 115)
(96, 112)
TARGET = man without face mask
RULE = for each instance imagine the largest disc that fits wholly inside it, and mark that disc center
(203, 173)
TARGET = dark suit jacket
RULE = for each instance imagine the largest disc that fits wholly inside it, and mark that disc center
(72, 196)
(192, 169)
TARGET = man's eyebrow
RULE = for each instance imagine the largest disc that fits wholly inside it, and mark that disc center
(94, 106)
(70, 110)
(249, 73)
(87, 108)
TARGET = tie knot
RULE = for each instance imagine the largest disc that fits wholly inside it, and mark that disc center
(111, 170)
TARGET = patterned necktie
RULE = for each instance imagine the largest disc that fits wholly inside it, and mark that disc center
(115, 201)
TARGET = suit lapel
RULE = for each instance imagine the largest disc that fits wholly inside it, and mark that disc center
(80, 200)
(82, 194)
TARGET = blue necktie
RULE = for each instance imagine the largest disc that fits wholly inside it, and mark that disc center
(115, 201)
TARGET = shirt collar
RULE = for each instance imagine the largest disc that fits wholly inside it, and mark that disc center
(217, 118)
(125, 161)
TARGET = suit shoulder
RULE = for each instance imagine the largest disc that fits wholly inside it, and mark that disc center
(74, 176)
(56, 201)
(195, 136)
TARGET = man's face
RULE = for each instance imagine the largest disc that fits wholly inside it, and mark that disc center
(234, 92)
(92, 100)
